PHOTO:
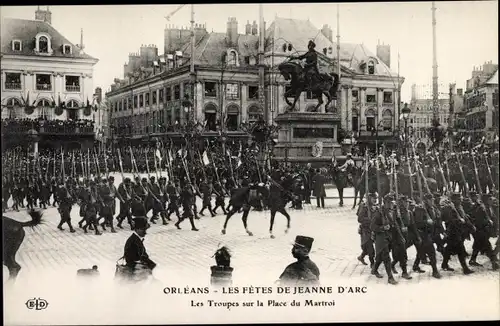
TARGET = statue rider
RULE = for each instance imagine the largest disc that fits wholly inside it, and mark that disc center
(311, 64)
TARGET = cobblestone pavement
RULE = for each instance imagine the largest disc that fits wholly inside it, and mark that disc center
(184, 252)
(50, 258)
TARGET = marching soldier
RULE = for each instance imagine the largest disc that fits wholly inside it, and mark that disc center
(381, 227)
(206, 189)
(425, 247)
(89, 201)
(364, 230)
(173, 195)
(125, 191)
(108, 194)
(481, 236)
(187, 197)
(454, 237)
(219, 197)
(398, 242)
(65, 205)
(154, 198)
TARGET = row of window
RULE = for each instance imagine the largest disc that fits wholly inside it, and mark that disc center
(164, 95)
(158, 122)
(43, 46)
(43, 82)
(428, 120)
(369, 98)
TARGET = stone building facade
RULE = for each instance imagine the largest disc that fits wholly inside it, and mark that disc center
(150, 98)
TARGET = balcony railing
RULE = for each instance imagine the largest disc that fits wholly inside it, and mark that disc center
(12, 85)
(43, 87)
(72, 88)
(57, 129)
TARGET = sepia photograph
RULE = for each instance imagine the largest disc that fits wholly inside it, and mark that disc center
(250, 163)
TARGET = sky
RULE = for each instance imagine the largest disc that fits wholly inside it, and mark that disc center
(466, 31)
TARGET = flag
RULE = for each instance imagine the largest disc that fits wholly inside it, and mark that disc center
(206, 161)
(158, 155)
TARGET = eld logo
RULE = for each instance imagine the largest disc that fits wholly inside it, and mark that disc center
(37, 304)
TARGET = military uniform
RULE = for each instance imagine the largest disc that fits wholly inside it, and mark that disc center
(125, 192)
(187, 197)
(454, 221)
(206, 189)
(483, 225)
(365, 234)
(304, 271)
(219, 198)
(65, 205)
(173, 196)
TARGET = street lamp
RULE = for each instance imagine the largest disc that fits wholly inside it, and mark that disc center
(405, 113)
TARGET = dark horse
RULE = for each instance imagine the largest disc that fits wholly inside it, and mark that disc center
(326, 84)
(403, 184)
(13, 236)
(243, 199)
(344, 179)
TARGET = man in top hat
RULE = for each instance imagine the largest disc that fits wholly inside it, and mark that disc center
(304, 271)
(311, 65)
(135, 253)
(319, 191)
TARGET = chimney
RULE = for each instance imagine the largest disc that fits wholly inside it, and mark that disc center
(232, 31)
(248, 28)
(98, 93)
(255, 29)
(43, 15)
(384, 54)
(327, 32)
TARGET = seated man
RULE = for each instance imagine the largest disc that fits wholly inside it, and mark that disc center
(139, 265)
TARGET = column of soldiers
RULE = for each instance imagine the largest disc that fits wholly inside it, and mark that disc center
(436, 223)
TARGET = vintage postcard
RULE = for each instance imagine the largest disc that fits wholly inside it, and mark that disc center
(250, 163)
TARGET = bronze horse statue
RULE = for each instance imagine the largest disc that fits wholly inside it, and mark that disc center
(13, 236)
(326, 84)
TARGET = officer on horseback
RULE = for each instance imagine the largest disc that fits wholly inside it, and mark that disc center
(311, 64)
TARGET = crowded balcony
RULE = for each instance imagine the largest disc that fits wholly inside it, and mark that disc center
(42, 126)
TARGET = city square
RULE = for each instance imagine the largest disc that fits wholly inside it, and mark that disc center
(235, 163)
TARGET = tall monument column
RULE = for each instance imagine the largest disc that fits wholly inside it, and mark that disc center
(349, 107)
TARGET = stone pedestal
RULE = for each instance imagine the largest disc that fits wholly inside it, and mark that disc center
(301, 131)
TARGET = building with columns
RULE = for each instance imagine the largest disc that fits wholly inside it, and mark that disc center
(43, 74)
(480, 109)
(420, 118)
(150, 96)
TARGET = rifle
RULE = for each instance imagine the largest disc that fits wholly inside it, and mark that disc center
(398, 212)
(446, 184)
(367, 189)
(478, 183)
(463, 176)
(489, 172)
(121, 172)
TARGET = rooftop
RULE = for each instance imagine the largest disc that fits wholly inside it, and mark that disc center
(25, 30)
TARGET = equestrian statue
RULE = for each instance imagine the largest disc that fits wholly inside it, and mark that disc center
(308, 78)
